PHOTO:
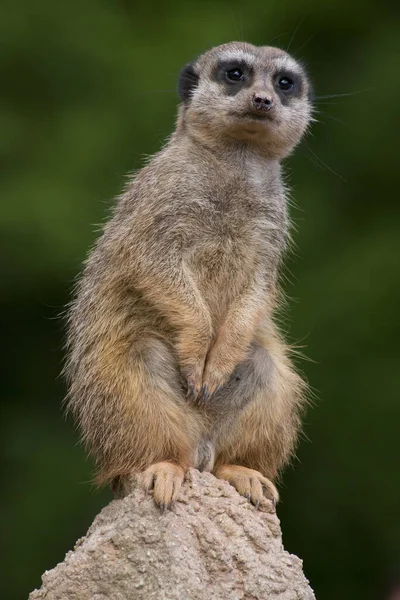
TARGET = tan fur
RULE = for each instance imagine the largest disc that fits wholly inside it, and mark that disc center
(248, 482)
(173, 356)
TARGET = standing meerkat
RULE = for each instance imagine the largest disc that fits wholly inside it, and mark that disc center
(174, 359)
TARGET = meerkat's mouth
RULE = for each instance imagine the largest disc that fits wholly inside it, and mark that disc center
(255, 117)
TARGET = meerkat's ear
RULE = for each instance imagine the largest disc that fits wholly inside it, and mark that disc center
(188, 80)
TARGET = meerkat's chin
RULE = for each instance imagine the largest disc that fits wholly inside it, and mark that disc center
(256, 125)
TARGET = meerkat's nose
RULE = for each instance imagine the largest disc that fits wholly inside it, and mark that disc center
(262, 102)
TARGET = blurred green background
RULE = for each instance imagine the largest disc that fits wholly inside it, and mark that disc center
(88, 89)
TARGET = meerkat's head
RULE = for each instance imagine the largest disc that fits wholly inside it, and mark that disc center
(237, 91)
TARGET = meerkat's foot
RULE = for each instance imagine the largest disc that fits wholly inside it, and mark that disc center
(165, 479)
(248, 483)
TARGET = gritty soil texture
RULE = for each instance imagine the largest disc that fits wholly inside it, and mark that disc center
(213, 544)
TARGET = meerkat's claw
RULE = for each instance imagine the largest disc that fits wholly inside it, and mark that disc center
(204, 393)
(190, 393)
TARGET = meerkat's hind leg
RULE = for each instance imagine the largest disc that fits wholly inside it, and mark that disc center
(165, 480)
(248, 482)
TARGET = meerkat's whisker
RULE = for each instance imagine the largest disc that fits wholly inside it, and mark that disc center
(319, 162)
(345, 94)
(296, 30)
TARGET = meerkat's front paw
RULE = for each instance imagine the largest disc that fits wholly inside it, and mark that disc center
(213, 380)
(192, 374)
(165, 479)
(192, 351)
(249, 483)
(194, 380)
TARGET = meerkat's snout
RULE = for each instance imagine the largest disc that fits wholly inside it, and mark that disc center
(262, 102)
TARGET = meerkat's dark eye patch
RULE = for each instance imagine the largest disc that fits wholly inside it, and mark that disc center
(233, 74)
(288, 85)
(306, 81)
(188, 81)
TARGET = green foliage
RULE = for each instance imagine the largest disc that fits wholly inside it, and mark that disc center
(88, 90)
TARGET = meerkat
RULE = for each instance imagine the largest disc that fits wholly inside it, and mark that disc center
(174, 358)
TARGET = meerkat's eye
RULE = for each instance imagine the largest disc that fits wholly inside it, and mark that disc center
(286, 84)
(234, 75)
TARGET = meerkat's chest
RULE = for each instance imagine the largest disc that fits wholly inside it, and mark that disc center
(231, 236)
(227, 252)
(236, 224)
